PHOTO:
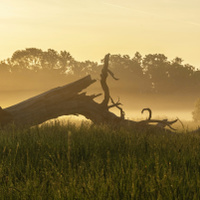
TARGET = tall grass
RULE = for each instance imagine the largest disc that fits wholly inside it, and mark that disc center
(95, 162)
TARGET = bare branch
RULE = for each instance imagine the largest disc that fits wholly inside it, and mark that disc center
(160, 123)
(114, 105)
(149, 110)
(104, 75)
(112, 74)
(122, 113)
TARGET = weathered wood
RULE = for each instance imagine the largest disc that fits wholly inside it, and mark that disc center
(59, 101)
(68, 100)
(104, 75)
(5, 117)
(65, 100)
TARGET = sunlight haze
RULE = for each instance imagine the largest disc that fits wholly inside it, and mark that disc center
(90, 29)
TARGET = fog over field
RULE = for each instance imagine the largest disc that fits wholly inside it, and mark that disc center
(162, 106)
(169, 88)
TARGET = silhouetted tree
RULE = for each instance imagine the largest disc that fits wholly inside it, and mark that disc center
(50, 60)
(132, 77)
(181, 76)
(27, 59)
(66, 62)
(4, 67)
(156, 67)
(151, 73)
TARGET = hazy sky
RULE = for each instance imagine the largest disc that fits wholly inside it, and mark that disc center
(89, 29)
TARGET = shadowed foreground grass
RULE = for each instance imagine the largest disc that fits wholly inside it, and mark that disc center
(95, 162)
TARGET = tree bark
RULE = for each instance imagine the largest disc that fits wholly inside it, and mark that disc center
(65, 100)
(59, 101)
(68, 100)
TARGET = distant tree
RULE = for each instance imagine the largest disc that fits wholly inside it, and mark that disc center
(29, 58)
(196, 112)
(50, 60)
(138, 58)
(80, 69)
(4, 67)
(130, 72)
(154, 61)
(152, 73)
(196, 80)
(125, 66)
(36, 60)
(177, 60)
(66, 62)
(181, 76)
(156, 66)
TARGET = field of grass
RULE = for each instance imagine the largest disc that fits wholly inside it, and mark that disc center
(95, 162)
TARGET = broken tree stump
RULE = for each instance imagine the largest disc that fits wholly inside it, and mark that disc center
(70, 100)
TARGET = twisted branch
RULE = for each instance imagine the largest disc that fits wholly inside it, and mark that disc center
(104, 74)
(122, 113)
(159, 123)
(149, 110)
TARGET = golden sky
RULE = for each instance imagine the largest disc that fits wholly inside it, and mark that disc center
(89, 29)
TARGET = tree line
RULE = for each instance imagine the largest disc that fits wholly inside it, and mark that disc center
(152, 73)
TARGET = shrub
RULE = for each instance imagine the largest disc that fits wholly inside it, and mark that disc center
(196, 112)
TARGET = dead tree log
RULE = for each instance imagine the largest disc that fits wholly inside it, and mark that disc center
(68, 100)
(65, 100)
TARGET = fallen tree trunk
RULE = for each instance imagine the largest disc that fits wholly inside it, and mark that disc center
(59, 101)
(65, 100)
(68, 100)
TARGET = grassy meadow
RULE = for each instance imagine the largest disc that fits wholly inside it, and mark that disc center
(56, 161)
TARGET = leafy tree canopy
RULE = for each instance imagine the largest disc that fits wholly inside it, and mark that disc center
(153, 72)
